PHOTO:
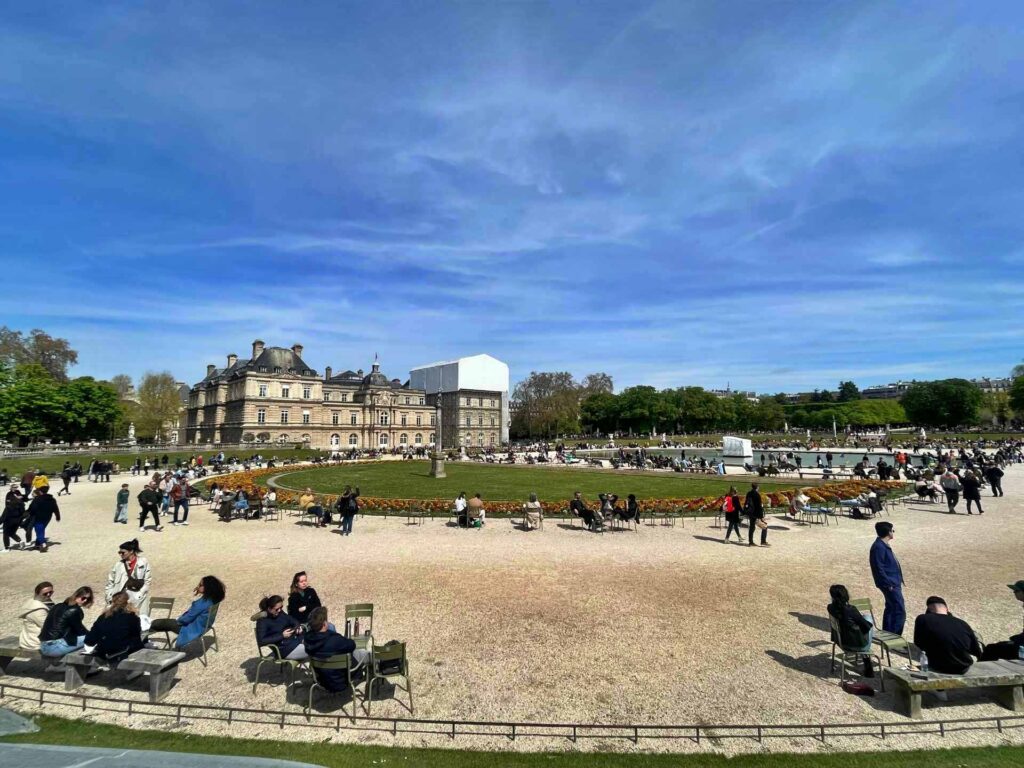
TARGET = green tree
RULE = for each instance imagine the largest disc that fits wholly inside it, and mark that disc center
(90, 409)
(945, 403)
(545, 404)
(1018, 371)
(30, 405)
(600, 412)
(848, 392)
(638, 408)
(159, 403)
(38, 347)
(1017, 395)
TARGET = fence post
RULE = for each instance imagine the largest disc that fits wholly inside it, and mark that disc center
(999, 724)
(759, 734)
(513, 732)
(883, 730)
(178, 715)
(696, 733)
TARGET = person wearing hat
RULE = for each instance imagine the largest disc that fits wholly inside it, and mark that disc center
(888, 576)
(1007, 649)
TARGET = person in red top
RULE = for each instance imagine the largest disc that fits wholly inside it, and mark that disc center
(732, 507)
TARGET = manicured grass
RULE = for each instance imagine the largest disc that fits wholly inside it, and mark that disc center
(53, 464)
(56, 730)
(411, 480)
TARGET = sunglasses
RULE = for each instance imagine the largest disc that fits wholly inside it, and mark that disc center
(47, 594)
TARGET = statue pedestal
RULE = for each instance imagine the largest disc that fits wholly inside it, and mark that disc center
(437, 465)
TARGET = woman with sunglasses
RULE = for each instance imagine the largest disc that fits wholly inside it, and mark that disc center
(64, 629)
(132, 574)
(33, 615)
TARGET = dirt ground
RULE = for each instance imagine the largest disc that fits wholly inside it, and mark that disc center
(667, 625)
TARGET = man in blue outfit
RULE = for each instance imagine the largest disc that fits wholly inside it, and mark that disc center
(888, 575)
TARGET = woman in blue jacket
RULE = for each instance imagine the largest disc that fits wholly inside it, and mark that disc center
(192, 623)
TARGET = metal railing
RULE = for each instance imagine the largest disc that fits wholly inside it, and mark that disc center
(695, 733)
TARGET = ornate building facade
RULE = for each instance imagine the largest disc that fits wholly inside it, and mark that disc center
(274, 397)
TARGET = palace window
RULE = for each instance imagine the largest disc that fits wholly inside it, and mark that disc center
(419, 419)
(263, 390)
(307, 392)
(479, 421)
(353, 439)
(422, 401)
(433, 418)
(383, 439)
(335, 417)
(403, 439)
(261, 416)
(305, 417)
(418, 439)
(432, 438)
(403, 419)
(383, 419)
(469, 421)
(492, 421)
(286, 391)
(327, 396)
(408, 400)
(284, 417)
(344, 397)
(335, 441)
(353, 417)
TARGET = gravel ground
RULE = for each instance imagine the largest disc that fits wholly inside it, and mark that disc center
(668, 625)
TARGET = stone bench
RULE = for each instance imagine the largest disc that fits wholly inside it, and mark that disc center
(159, 665)
(11, 650)
(1006, 677)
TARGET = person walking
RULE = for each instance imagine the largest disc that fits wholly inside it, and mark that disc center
(753, 508)
(121, 510)
(731, 507)
(348, 506)
(972, 491)
(13, 517)
(994, 475)
(179, 495)
(42, 510)
(888, 576)
(951, 485)
(65, 477)
(149, 500)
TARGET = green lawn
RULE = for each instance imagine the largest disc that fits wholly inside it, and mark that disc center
(56, 730)
(411, 480)
(53, 464)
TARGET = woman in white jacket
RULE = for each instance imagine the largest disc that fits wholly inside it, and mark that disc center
(131, 573)
(33, 615)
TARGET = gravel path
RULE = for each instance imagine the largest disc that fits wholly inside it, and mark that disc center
(668, 625)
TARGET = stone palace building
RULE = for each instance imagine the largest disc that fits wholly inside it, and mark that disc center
(274, 397)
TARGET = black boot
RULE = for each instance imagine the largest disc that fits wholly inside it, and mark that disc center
(869, 667)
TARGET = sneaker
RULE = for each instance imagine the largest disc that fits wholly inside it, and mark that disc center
(4, 551)
(184, 522)
(142, 528)
(159, 528)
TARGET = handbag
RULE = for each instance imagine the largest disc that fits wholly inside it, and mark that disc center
(133, 584)
(760, 523)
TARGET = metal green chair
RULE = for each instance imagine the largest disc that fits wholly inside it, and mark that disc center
(336, 662)
(887, 641)
(358, 611)
(388, 662)
(849, 656)
(162, 604)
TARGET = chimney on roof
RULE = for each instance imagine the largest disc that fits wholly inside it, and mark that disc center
(327, 372)
(297, 349)
(257, 349)
(210, 369)
(359, 372)
(232, 359)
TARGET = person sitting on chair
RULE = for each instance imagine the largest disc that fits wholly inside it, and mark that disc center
(475, 510)
(277, 628)
(608, 501)
(580, 510)
(631, 512)
(192, 623)
(322, 642)
(63, 631)
(949, 642)
(533, 513)
(302, 598)
(1007, 649)
(855, 629)
(117, 632)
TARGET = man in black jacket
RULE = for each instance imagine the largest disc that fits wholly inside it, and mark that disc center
(149, 501)
(754, 510)
(580, 509)
(949, 642)
(994, 475)
(322, 643)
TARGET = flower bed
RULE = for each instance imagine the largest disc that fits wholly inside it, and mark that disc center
(702, 505)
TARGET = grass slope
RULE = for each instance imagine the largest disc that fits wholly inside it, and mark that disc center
(56, 730)
(411, 480)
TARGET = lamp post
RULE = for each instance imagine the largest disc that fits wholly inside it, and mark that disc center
(437, 460)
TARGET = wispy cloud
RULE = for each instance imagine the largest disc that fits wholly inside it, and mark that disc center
(776, 197)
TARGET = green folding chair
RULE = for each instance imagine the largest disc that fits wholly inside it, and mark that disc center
(887, 641)
(358, 611)
(336, 662)
(850, 656)
(389, 662)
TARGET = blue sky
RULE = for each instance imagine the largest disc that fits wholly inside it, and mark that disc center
(774, 195)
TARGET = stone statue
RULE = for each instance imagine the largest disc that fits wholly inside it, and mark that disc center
(131, 431)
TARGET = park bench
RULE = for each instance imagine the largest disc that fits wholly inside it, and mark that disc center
(11, 650)
(1006, 677)
(159, 665)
